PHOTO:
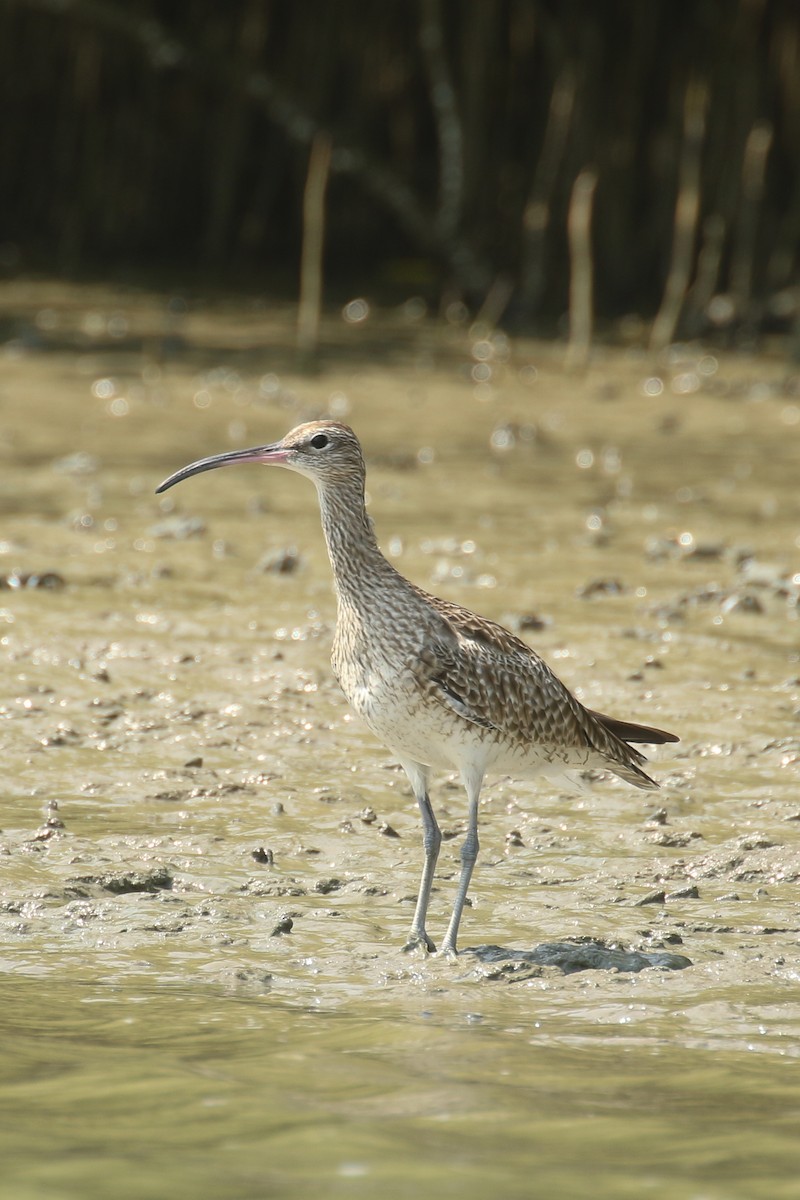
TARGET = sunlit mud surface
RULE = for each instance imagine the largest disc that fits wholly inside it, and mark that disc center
(207, 868)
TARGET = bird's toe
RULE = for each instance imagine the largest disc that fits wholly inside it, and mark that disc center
(419, 940)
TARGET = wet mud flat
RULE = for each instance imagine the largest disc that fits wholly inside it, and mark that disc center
(197, 838)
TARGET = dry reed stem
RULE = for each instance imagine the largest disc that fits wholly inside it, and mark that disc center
(581, 284)
(687, 212)
(310, 303)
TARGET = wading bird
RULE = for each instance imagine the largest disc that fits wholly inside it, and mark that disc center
(437, 684)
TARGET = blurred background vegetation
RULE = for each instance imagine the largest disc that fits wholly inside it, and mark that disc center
(144, 139)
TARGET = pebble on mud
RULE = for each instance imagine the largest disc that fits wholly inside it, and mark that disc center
(657, 897)
(79, 463)
(284, 925)
(659, 817)
(526, 622)
(325, 886)
(14, 580)
(683, 546)
(282, 561)
(741, 603)
(601, 587)
(691, 892)
(180, 527)
(674, 840)
(156, 880)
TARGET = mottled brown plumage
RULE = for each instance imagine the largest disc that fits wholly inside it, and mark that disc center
(441, 686)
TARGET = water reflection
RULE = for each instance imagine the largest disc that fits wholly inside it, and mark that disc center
(184, 1092)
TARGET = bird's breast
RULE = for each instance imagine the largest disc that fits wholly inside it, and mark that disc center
(383, 691)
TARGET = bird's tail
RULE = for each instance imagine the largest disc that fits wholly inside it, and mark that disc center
(623, 758)
(635, 775)
(627, 731)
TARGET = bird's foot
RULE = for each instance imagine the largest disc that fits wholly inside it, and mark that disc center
(448, 950)
(419, 940)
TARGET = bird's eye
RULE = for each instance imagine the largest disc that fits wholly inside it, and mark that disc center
(319, 441)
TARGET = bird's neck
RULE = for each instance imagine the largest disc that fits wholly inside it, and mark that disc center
(357, 561)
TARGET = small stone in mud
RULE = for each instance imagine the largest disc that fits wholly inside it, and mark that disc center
(525, 622)
(283, 561)
(675, 840)
(15, 580)
(79, 463)
(764, 575)
(194, 762)
(285, 925)
(659, 817)
(51, 817)
(179, 527)
(266, 857)
(327, 797)
(600, 587)
(756, 843)
(254, 980)
(742, 603)
(63, 736)
(682, 546)
(324, 886)
(514, 838)
(685, 893)
(156, 880)
(42, 835)
(388, 830)
(368, 816)
(657, 897)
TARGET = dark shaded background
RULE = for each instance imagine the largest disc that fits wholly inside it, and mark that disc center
(147, 137)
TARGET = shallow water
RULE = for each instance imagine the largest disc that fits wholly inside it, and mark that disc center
(181, 1015)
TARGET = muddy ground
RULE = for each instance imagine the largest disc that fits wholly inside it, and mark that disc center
(193, 826)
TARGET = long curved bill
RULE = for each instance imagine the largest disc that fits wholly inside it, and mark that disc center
(276, 453)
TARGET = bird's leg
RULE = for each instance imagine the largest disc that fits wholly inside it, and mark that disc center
(431, 841)
(469, 852)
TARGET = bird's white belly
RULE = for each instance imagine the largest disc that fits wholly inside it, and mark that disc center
(401, 720)
(401, 717)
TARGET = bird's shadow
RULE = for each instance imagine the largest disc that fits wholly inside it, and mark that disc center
(580, 954)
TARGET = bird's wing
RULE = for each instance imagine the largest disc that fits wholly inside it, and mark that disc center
(493, 679)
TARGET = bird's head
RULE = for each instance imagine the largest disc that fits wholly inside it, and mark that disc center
(326, 451)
